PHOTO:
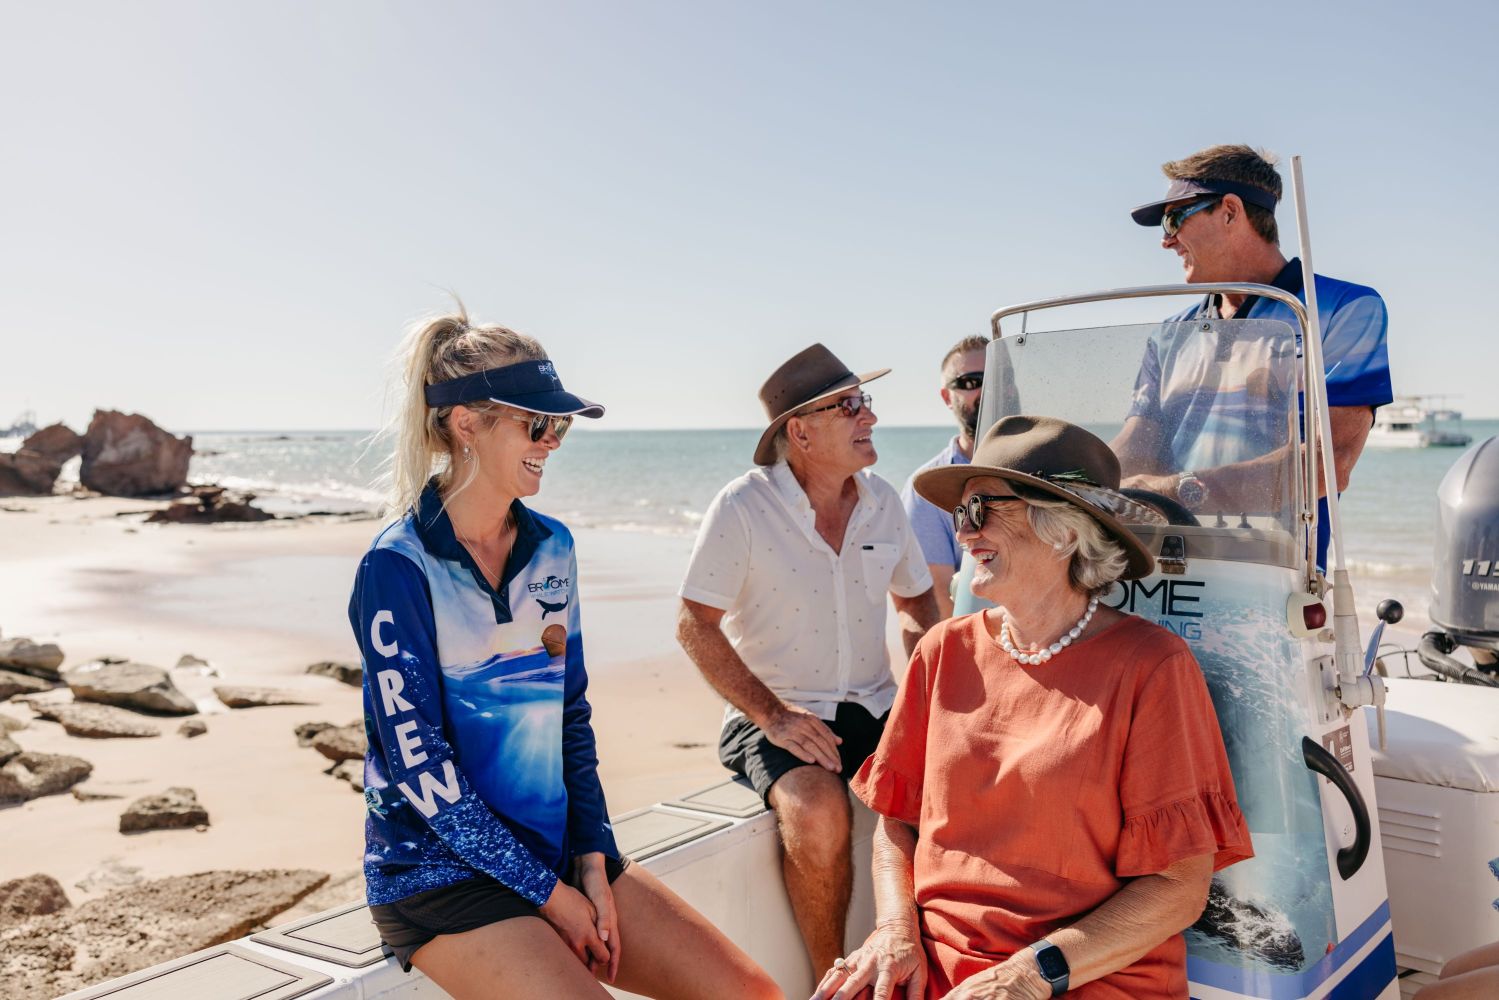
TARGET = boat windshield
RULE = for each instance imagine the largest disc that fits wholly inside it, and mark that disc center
(1210, 401)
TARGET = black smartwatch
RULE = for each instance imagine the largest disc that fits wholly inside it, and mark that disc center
(1053, 965)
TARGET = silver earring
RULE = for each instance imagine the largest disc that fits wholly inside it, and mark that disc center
(466, 456)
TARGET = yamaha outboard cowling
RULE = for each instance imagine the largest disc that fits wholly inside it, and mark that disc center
(1465, 576)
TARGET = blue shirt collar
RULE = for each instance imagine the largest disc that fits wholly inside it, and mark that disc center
(435, 530)
(1288, 280)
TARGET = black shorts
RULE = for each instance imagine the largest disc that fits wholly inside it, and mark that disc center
(744, 748)
(409, 923)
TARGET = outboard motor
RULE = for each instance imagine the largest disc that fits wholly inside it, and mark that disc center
(1465, 577)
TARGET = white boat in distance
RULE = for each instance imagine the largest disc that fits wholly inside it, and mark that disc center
(1409, 423)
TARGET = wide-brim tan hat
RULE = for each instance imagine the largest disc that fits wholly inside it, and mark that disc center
(813, 374)
(1061, 460)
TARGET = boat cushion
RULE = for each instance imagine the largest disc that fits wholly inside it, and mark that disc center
(1439, 734)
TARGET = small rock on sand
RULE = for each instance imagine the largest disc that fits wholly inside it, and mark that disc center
(10, 724)
(41, 659)
(351, 771)
(193, 727)
(32, 896)
(112, 873)
(187, 661)
(307, 730)
(13, 683)
(341, 743)
(31, 775)
(8, 748)
(97, 722)
(254, 697)
(128, 685)
(174, 809)
(351, 674)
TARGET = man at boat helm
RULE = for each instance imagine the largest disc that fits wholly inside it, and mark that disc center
(783, 610)
(1218, 217)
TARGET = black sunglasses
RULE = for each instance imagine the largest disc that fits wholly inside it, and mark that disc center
(967, 381)
(850, 405)
(540, 421)
(1171, 222)
(972, 510)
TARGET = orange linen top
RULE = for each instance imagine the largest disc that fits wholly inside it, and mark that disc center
(1038, 791)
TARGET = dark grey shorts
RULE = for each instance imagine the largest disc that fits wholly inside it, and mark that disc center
(744, 748)
(409, 923)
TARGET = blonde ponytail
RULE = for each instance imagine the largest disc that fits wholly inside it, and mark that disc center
(435, 350)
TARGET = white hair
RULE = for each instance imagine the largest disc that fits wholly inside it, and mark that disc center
(1097, 560)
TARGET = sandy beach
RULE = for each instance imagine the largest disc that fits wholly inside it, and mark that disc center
(260, 603)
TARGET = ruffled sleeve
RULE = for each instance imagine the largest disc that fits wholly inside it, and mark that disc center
(890, 781)
(1176, 790)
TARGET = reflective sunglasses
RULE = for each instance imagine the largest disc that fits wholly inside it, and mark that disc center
(849, 405)
(538, 423)
(972, 510)
(1171, 221)
(967, 381)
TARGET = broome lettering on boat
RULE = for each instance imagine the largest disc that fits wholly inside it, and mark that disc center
(391, 703)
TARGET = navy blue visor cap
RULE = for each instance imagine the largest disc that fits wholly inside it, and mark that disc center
(1182, 189)
(525, 385)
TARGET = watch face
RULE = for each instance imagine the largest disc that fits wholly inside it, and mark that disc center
(1052, 962)
(1191, 492)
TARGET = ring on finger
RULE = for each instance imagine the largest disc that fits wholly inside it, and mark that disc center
(841, 965)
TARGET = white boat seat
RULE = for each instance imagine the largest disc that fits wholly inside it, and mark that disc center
(1461, 751)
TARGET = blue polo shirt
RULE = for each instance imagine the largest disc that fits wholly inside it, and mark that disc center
(481, 754)
(933, 526)
(1354, 326)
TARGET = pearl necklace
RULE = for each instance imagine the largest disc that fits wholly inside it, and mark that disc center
(1042, 655)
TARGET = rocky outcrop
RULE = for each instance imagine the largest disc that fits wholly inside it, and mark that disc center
(9, 748)
(58, 442)
(193, 727)
(341, 743)
(210, 505)
(41, 659)
(24, 473)
(174, 809)
(32, 896)
(97, 722)
(31, 775)
(11, 724)
(253, 697)
(12, 684)
(136, 927)
(351, 674)
(125, 454)
(128, 685)
(307, 730)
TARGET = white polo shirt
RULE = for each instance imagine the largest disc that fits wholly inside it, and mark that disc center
(808, 621)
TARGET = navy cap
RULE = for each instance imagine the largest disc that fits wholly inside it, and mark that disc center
(1181, 188)
(526, 385)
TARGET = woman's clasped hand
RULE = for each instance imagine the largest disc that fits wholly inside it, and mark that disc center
(891, 963)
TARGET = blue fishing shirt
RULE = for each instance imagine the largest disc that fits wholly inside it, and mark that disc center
(1355, 358)
(481, 756)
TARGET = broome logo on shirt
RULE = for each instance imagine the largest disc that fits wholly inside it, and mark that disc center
(551, 585)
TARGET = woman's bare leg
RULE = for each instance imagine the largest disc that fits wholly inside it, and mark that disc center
(671, 952)
(519, 957)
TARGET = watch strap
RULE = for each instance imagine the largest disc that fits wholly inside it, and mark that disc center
(1052, 965)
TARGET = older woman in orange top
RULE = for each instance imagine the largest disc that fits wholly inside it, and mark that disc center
(1052, 786)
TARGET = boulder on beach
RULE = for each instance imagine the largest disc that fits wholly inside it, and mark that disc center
(24, 473)
(31, 775)
(97, 722)
(125, 454)
(139, 926)
(255, 697)
(174, 809)
(193, 727)
(13, 683)
(128, 685)
(351, 674)
(341, 743)
(58, 442)
(307, 730)
(210, 505)
(31, 896)
(38, 658)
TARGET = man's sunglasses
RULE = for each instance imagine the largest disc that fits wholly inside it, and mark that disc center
(849, 405)
(971, 511)
(1171, 221)
(538, 423)
(967, 381)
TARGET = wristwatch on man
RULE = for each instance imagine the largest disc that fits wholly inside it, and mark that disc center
(1191, 491)
(1053, 966)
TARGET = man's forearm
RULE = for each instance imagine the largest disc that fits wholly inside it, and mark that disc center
(708, 648)
(916, 615)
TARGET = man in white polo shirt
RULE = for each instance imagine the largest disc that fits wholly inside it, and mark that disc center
(783, 610)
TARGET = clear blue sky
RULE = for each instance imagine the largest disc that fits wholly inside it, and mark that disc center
(224, 216)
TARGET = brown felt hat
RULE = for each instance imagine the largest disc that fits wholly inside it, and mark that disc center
(1058, 459)
(812, 375)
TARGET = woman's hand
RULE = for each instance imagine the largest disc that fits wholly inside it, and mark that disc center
(1016, 978)
(593, 876)
(572, 916)
(890, 957)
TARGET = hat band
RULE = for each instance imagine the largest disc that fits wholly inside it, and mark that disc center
(827, 388)
(524, 378)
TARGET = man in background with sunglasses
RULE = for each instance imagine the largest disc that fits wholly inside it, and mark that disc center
(1218, 217)
(783, 611)
(962, 382)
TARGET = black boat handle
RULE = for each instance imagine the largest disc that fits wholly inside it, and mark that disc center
(1350, 859)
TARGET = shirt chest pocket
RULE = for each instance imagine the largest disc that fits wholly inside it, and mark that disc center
(878, 566)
